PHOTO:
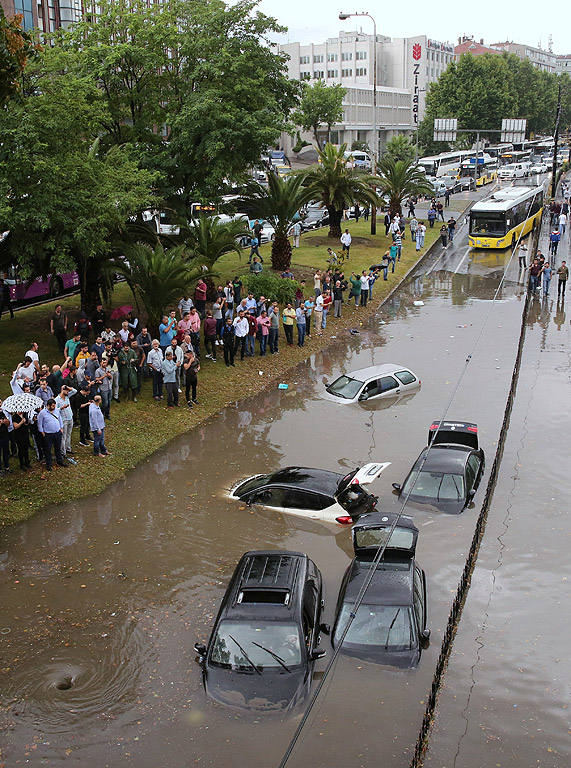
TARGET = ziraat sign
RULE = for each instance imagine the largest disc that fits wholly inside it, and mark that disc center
(416, 54)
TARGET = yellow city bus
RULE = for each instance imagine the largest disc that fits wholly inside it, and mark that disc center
(507, 215)
(487, 169)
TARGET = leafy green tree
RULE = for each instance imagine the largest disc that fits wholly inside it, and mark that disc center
(400, 148)
(279, 203)
(207, 239)
(202, 71)
(337, 186)
(157, 277)
(320, 104)
(63, 199)
(399, 179)
(16, 49)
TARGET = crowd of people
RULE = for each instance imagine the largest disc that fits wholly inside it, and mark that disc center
(541, 271)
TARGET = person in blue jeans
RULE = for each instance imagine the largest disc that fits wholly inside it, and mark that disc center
(301, 325)
(451, 228)
(385, 265)
(546, 274)
(97, 426)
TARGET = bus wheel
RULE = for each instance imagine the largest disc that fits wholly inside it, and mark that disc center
(56, 288)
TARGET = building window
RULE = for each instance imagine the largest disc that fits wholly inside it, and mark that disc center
(318, 74)
(305, 75)
(304, 59)
(318, 58)
(346, 73)
(332, 73)
(361, 71)
(361, 55)
(331, 57)
(346, 57)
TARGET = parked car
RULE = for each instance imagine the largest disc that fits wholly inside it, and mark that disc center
(448, 471)
(465, 183)
(314, 218)
(318, 494)
(538, 168)
(390, 623)
(377, 382)
(266, 636)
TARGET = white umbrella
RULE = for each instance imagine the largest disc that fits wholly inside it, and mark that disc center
(24, 403)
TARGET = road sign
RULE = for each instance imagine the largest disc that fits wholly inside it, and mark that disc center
(445, 129)
(513, 131)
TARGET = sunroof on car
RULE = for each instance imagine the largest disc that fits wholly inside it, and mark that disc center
(275, 596)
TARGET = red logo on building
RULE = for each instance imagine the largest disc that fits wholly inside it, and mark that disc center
(416, 48)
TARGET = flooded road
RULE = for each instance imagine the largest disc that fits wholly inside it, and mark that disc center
(103, 599)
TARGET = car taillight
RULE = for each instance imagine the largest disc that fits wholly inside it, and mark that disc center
(344, 519)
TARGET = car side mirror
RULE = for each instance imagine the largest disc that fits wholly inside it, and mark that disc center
(425, 638)
(314, 655)
(364, 396)
(397, 487)
(200, 648)
(325, 628)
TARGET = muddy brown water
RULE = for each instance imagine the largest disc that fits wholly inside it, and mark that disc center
(103, 599)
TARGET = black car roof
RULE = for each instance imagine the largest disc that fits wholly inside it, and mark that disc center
(392, 582)
(266, 585)
(321, 480)
(445, 458)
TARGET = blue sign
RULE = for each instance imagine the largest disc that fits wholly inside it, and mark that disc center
(480, 161)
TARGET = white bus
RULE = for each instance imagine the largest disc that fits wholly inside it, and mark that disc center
(446, 163)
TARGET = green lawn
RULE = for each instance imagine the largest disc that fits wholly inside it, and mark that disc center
(138, 429)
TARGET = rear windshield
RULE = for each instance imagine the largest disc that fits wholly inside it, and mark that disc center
(405, 377)
(435, 486)
(401, 538)
(345, 387)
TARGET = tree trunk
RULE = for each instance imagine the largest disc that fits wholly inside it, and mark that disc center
(334, 223)
(89, 284)
(281, 253)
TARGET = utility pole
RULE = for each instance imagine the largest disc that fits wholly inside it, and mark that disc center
(556, 136)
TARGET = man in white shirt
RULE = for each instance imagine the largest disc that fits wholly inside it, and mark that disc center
(33, 352)
(395, 225)
(346, 242)
(241, 327)
(562, 223)
(26, 370)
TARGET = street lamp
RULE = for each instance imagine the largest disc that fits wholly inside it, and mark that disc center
(344, 17)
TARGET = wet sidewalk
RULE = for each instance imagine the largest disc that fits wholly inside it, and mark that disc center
(506, 691)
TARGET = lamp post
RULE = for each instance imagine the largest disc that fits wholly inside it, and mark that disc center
(344, 17)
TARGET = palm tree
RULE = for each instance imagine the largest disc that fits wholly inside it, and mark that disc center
(279, 204)
(337, 186)
(206, 239)
(157, 277)
(399, 179)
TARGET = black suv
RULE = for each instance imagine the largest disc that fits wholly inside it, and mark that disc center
(262, 650)
(390, 623)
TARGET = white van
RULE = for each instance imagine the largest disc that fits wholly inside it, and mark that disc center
(359, 159)
(512, 171)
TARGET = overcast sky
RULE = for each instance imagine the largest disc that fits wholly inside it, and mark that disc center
(316, 20)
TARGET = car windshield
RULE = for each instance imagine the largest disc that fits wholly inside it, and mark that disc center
(263, 644)
(387, 626)
(401, 538)
(435, 486)
(345, 387)
(252, 484)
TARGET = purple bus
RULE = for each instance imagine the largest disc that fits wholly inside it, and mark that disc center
(48, 286)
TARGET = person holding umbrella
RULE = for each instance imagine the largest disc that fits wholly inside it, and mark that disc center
(50, 426)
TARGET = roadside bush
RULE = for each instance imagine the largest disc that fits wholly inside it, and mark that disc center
(272, 287)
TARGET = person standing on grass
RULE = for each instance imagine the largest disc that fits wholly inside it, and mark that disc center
(337, 298)
(200, 297)
(263, 322)
(64, 406)
(228, 342)
(318, 315)
(346, 240)
(50, 426)
(241, 328)
(288, 320)
(252, 333)
(184, 306)
(195, 323)
(274, 315)
(169, 369)
(22, 437)
(104, 378)
(364, 288)
(58, 327)
(420, 235)
(385, 261)
(355, 289)
(296, 232)
(317, 282)
(301, 324)
(5, 299)
(327, 303)
(83, 400)
(167, 331)
(97, 426)
(191, 368)
(210, 336)
(127, 360)
(155, 364)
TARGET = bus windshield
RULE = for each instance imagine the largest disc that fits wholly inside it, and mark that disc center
(488, 223)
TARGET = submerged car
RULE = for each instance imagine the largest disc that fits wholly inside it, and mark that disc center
(264, 643)
(389, 626)
(373, 383)
(447, 473)
(318, 494)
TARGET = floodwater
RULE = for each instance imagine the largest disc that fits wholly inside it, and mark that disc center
(103, 599)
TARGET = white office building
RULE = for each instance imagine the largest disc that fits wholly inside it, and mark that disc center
(405, 67)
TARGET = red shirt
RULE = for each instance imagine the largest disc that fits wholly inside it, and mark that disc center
(200, 292)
